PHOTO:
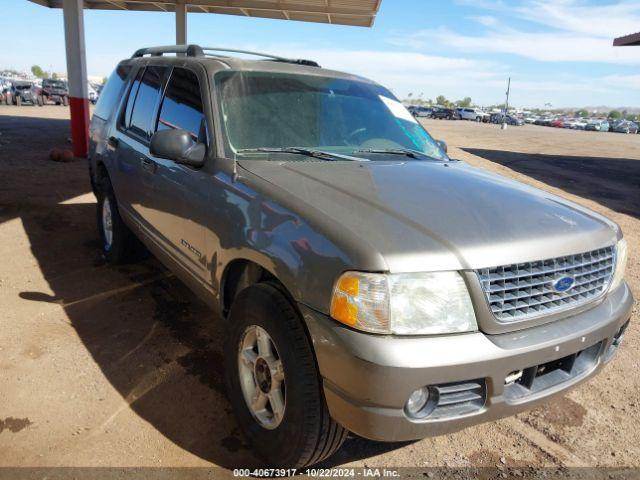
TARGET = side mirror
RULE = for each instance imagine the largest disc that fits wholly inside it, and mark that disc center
(442, 144)
(177, 145)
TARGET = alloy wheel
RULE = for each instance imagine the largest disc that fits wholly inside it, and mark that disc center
(262, 377)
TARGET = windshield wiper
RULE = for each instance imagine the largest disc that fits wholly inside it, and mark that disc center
(398, 151)
(302, 151)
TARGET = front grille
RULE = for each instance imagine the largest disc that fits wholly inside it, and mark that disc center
(525, 290)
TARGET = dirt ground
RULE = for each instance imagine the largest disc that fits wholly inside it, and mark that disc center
(103, 366)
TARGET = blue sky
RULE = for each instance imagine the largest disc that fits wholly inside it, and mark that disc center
(556, 51)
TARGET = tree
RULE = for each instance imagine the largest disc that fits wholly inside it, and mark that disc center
(442, 100)
(54, 75)
(465, 102)
(582, 113)
(615, 114)
(38, 72)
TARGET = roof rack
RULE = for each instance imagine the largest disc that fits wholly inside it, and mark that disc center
(198, 51)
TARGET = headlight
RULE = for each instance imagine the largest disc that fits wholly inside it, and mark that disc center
(404, 304)
(621, 263)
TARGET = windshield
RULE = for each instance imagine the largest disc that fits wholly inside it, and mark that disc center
(23, 87)
(281, 110)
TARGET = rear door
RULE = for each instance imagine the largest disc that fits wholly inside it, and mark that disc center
(132, 136)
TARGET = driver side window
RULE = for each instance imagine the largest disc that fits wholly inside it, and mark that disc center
(182, 106)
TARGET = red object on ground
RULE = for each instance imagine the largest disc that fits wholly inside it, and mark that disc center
(79, 125)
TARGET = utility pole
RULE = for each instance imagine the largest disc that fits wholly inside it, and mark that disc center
(506, 106)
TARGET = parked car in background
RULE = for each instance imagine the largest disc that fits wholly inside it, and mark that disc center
(54, 91)
(558, 123)
(473, 114)
(569, 123)
(92, 93)
(625, 126)
(530, 119)
(23, 92)
(368, 283)
(598, 125)
(4, 88)
(422, 111)
(508, 119)
(580, 124)
(444, 113)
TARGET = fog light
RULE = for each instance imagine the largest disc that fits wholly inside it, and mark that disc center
(417, 401)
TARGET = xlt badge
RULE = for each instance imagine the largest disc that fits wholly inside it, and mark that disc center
(191, 248)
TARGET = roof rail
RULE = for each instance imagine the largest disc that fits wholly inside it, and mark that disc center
(274, 58)
(189, 50)
(198, 51)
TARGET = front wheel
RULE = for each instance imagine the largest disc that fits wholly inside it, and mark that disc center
(273, 381)
(65, 101)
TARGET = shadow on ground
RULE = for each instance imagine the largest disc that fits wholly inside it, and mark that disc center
(153, 340)
(603, 180)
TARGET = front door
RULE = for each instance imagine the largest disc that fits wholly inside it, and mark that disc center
(180, 191)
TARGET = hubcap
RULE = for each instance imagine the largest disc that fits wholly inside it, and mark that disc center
(107, 224)
(261, 377)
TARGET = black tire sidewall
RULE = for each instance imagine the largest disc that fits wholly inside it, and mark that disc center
(117, 252)
(284, 445)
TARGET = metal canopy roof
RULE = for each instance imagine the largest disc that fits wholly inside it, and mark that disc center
(628, 40)
(361, 13)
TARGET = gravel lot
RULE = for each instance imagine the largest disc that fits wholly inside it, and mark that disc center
(105, 366)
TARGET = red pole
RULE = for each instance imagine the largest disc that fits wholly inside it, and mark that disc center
(77, 75)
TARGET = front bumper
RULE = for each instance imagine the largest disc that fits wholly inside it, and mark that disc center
(368, 378)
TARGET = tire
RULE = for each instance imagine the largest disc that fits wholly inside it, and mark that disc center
(40, 101)
(18, 101)
(120, 245)
(65, 101)
(306, 434)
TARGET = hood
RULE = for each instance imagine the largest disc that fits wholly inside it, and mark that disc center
(428, 216)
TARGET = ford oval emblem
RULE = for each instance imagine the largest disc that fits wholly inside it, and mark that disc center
(563, 284)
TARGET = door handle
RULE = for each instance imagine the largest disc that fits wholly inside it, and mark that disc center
(113, 142)
(148, 165)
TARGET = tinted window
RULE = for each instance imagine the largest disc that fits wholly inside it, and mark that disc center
(111, 92)
(146, 98)
(133, 91)
(182, 105)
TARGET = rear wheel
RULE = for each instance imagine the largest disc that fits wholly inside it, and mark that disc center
(273, 381)
(65, 101)
(18, 101)
(119, 244)
(40, 101)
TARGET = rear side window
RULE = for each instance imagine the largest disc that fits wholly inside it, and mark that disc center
(144, 94)
(112, 92)
(182, 105)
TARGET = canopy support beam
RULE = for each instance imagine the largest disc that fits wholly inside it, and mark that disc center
(77, 75)
(181, 23)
